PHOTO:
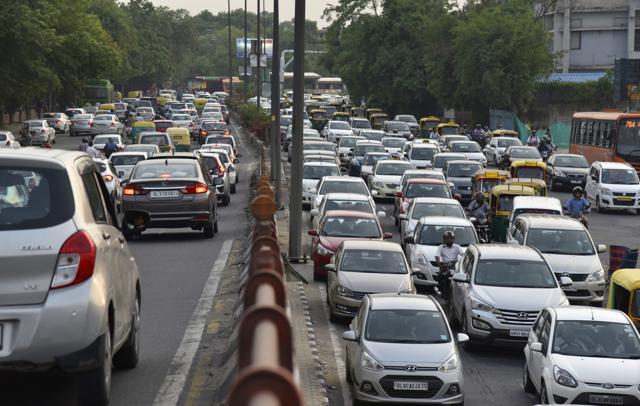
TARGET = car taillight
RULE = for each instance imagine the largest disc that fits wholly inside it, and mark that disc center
(58, 121)
(221, 168)
(76, 261)
(226, 132)
(42, 131)
(131, 190)
(196, 188)
(203, 132)
(91, 124)
(107, 178)
(112, 125)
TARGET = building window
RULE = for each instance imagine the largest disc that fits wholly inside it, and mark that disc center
(576, 23)
(576, 40)
(636, 41)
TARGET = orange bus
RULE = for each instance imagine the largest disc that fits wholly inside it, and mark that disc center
(607, 136)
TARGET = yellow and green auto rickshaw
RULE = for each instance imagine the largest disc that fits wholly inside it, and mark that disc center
(484, 180)
(501, 203)
(340, 116)
(181, 138)
(529, 169)
(377, 120)
(624, 293)
(358, 112)
(449, 128)
(312, 105)
(505, 133)
(140, 127)
(373, 110)
(539, 185)
(318, 119)
(135, 94)
(346, 108)
(427, 124)
(199, 102)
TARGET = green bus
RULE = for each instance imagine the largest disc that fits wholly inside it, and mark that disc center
(98, 91)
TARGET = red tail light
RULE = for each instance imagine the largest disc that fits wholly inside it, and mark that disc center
(76, 261)
(131, 190)
(91, 124)
(226, 132)
(203, 132)
(221, 168)
(58, 121)
(196, 188)
(107, 178)
(42, 131)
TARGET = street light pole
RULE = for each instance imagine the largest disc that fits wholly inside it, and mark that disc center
(258, 52)
(245, 50)
(230, 73)
(295, 200)
(275, 105)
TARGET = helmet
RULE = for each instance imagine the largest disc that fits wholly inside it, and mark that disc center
(576, 190)
(448, 234)
(478, 126)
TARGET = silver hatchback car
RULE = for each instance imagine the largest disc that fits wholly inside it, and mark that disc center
(69, 286)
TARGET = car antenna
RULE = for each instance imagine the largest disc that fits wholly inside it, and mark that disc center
(592, 318)
(166, 162)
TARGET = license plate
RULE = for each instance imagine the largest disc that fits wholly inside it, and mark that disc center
(164, 194)
(576, 181)
(570, 289)
(606, 399)
(519, 333)
(420, 386)
(624, 198)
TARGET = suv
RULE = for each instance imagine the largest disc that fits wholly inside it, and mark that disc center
(613, 185)
(498, 291)
(70, 288)
(569, 250)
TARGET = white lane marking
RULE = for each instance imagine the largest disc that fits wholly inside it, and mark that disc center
(336, 343)
(174, 382)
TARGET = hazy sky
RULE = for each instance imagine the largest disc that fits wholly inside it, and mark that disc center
(314, 7)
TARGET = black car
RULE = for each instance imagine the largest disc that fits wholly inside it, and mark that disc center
(566, 171)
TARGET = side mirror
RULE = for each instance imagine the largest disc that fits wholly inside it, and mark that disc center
(473, 219)
(415, 271)
(236, 161)
(601, 248)
(315, 212)
(484, 150)
(460, 277)
(462, 338)
(387, 236)
(313, 233)
(409, 240)
(312, 190)
(124, 183)
(457, 196)
(398, 194)
(451, 185)
(565, 281)
(537, 347)
(330, 267)
(374, 193)
(381, 214)
(349, 335)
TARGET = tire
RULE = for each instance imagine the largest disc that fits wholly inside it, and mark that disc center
(354, 400)
(527, 385)
(129, 354)
(233, 188)
(127, 233)
(598, 208)
(453, 320)
(468, 346)
(544, 397)
(209, 229)
(348, 372)
(215, 225)
(94, 386)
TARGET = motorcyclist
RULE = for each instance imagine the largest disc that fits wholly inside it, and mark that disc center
(578, 206)
(477, 134)
(479, 208)
(110, 147)
(533, 140)
(446, 256)
(546, 146)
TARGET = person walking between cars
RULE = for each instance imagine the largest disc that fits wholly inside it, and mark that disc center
(578, 206)
(533, 140)
(110, 147)
(446, 257)
(84, 145)
(91, 151)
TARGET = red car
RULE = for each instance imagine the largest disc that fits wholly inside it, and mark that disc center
(337, 226)
(419, 187)
(162, 125)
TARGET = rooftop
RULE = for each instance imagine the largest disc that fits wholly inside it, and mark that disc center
(589, 313)
(508, 251)
(388, 301)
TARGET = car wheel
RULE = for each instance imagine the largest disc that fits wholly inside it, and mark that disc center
(468, 346)
(598, 208)
(233, 188)
(348, 372)
(453, 320)
(526, 380)
(95, 385)
(544, 397)
(552, 185)
(215, 224)
(209, 229)
(126, 231)
(127, 357)
(354, 399)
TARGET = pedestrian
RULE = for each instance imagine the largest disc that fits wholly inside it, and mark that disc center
(533, 140)
(92, 152)
(84, 145)
(110, 147)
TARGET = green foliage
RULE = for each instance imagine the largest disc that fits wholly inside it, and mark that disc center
(253, 118)
(587, 95)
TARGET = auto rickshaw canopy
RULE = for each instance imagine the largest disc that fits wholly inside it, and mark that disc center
(539, 185)
(624, 294)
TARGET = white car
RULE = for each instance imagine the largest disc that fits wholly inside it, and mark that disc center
(338, 184)
(428, 206)
(400, 348)
(422, 244)
(470, 149)
(181, 120)
(8, 140)
(230, 164)
(421, 154)
(40, 132)
(124, 162)
(334, 130)
(346, 145)
(393, 144)
(385, 177)
(496, 147)
(613, 185)
(344, 201)
(312, 173)
(583, 355)
(421, 173)
(111, 181)
(370, 160)
(99, 141)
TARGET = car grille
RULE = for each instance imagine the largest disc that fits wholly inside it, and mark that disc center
(576, 277)
(623, 202)
(583, 398)
(630, 194)
(417, 369)
(575, 175)
(599, 385)
(434, 386)
(359, 295)
(516, 317)
(578, 293)
(392, 185)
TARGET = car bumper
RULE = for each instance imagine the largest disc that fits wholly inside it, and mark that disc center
(444, 388)
(384, 191)
(583, 393)
(344, 306)
(37, 337)
(484, 328)
(427, 277)
(569, 181)
(612, 202)
(184, 214)
(585, 291)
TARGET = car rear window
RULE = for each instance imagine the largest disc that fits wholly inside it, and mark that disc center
(153, 139)
(165, 170)
(126, 159)
(50, 115)
(28, 201)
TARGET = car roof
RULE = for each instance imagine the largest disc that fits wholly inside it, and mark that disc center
(349, 213)
(394, 301)
(426, 181)
(346, 196)
(568, 155)
(393, 161)
(446, 221)
(440, 200)
(59, 157)
(551, 221)
(154, 160)
(463, 141)
(371, 245)
(462, 161)
(128, 153)
(453, 154)
(342, 178)
(319, 163)
(613, 165)
(588, 313)
(424, 145)
(542, 202)
(373, 153)
(508, 251)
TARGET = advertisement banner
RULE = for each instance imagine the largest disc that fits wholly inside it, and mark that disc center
(251, 45)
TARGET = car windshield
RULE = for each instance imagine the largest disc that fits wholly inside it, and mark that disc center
(126, 159)
(423, 154)
(373, 261)
(571, 162)
(360, 124)
(371, 159)
(486, 184)
(441, 161)
(317, 171)
(397, 126)
(351, 205)
(372, 136)
(566, 242)
(28, 200)
(141, 148)
(332, 186)
(164, 169)
(181, 117)
(393, 142)
(427, 190)
(213, 125)
(514, 273)
(145, 110)
(530, 172)
(628, 140)
(418, 175)
(462, 170)
(361, 150)
(437, 209)
(620, 176)
(507, 142)
(407, 327)
(465, 147)
(407, 119)
(285, 121)
(153, 139)
(339, 125)
(432, 234)
(350, 226)
(346, 142)
(104, 117)
(163, 124)
(83, 116)
(219, 140)
(392, 168)
(598, 339)
(530, 153)
(35, 124)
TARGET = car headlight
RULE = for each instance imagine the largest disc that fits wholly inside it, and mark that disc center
(377, 183)
(368, 362)
(323, 250)
(342, 291)
(564, 301)
(480, 305)
(450, 365)
(563, 377)
(605, 191)
(559, 173)
(597, 276)
(421, 260)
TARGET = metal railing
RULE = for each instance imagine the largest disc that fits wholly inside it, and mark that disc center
(265, 346)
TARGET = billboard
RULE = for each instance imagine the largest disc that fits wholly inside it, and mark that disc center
(251, 43)
(626, 80)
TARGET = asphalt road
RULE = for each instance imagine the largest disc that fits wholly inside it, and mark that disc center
(174, 267)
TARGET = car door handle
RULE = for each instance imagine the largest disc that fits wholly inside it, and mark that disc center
(106, 235)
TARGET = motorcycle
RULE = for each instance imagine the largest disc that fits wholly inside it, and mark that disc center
(444, 278)
(481, 224)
